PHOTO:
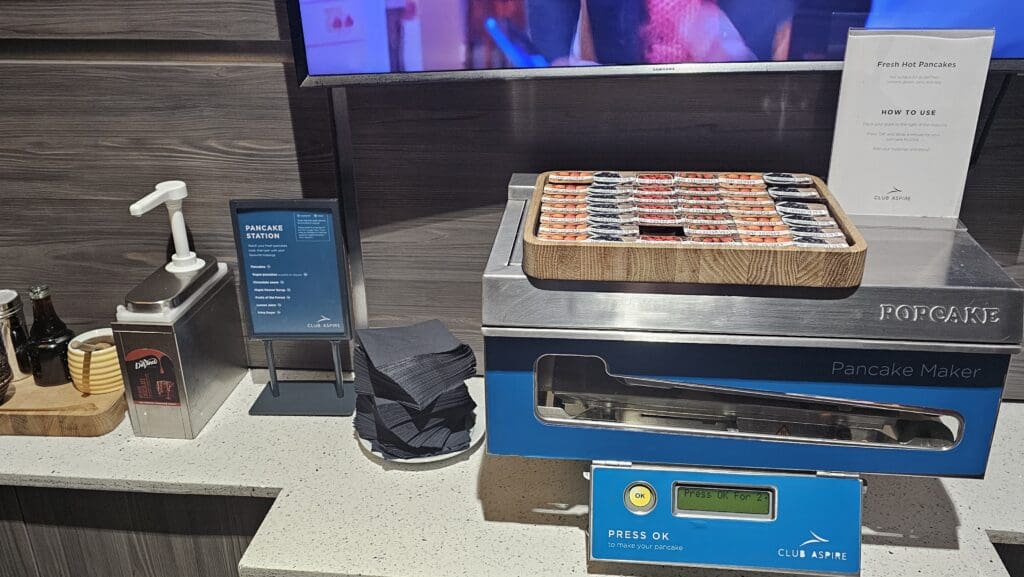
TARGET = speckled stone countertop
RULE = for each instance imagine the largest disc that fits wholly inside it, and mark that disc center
(340, 512)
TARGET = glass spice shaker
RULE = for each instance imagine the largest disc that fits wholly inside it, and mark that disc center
(6, 374)
(14, 334)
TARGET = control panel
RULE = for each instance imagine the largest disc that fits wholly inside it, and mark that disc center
(730, 519)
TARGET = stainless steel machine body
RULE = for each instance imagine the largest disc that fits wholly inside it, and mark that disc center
(178, 372)
(902, 374)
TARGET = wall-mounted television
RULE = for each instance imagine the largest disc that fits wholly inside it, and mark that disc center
(365, 41)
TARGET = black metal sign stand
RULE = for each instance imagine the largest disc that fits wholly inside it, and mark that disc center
(299, 398)
(335, 398)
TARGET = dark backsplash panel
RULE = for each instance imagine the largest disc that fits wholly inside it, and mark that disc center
(94, 107)
(432, 161)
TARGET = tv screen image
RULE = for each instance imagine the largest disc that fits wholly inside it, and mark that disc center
(359, 37)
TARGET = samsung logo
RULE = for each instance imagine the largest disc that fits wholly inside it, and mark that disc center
(964, 315)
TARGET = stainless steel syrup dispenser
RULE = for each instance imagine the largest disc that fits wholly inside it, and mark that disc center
(179, 334)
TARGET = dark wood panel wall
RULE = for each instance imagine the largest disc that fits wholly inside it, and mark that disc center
(432, 161)
(102, 99)
(141, 19)
(18, 559)
(65, 533)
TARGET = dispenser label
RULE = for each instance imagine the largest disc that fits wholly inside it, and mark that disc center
(293, 269)
(152, 378)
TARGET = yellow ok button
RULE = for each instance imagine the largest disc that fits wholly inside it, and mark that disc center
(640, 498)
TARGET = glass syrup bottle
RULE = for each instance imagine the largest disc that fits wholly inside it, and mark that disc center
(48, 340)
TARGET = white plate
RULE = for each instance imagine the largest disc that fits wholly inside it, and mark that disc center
(476, 434)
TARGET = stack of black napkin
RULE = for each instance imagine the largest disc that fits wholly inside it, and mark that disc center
(411, 398)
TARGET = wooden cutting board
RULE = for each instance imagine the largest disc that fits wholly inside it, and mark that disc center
(59, 411)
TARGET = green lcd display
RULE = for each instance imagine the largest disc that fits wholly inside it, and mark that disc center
(708, 499)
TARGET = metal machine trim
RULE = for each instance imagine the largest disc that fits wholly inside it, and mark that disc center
(748, 340)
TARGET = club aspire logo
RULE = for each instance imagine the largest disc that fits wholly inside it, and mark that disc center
(815, 547)
(815, 538)
(324, 322)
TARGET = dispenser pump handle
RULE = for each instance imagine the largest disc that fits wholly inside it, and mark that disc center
(171, 193)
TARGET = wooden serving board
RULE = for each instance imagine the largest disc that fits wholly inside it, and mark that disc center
(59, 411)
(696, 263)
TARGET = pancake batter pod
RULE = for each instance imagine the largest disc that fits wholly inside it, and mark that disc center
(662, 219)
(659, 178)
(711, 198)
(719, 239)
(704, 218)
(618, 218)
(571, 176)
(710, 229)
(807, 220)
(552, 236)
(737, 191)
(817, 232)
(662, 239)
(564, 228)
(555, 198)
(704, 208)
(564, 208)
(616, 230)
(657, 208)
(818, 237)
(816, 242)
(799, 193)
(556, 188)
(695, 190)
(610, 189)
(698, 178)
(613, 177)
(642, 198)
(788, 179)
(655, 190)
(563, 217)
(802, 208)
(618, 198)
(750, 209)
(766, 240)
(609, 207)
(748, 200)
(761, 225)
(740, 178)
(611, 238)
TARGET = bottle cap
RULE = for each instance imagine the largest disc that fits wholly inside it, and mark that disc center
(39, 292)
(10, 302)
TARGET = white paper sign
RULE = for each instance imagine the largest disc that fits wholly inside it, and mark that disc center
(908, 109)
